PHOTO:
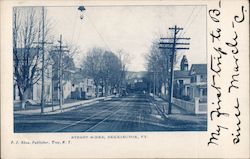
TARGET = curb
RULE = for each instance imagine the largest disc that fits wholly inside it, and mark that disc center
(70, 108)
(165, 116)
(57, 111)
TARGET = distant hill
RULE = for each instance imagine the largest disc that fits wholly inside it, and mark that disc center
(132, 74)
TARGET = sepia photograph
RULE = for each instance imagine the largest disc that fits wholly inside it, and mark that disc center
(82, 69)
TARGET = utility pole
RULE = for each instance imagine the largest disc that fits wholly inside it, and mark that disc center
(43, 58)
(154, 83)
(52, 85)
(60, 73)
(172, 46)
(43, 39)
(60, 70)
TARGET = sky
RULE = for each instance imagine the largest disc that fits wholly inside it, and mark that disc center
(130, 29)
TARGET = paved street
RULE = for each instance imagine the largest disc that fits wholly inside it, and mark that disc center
(131, 113)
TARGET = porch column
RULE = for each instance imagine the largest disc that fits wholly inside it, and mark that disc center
(200, 92)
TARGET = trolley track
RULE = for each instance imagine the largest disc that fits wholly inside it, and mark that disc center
(113, 110)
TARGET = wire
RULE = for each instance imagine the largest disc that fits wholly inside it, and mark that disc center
(77, 39)
(74, 28)
(100, 35)
(191, 22)
(188, 20)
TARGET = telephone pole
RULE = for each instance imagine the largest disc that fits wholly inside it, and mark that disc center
(43, 39)
(43, 59)
(172, 46)
(60, 73)
(60, 70)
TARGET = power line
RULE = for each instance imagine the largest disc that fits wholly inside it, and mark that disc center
(78, 34)
(194, 17)
(188, 20)
(100, 35)
(74, 28)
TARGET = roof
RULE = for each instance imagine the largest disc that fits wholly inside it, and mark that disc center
(181, 74)
(198, 69)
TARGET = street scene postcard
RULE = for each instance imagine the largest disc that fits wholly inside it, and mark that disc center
(142, 79)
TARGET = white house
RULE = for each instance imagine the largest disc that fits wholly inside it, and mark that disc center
(82, 86)
(190, 84)
(198, 85)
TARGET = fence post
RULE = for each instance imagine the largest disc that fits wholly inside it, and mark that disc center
(196, 103)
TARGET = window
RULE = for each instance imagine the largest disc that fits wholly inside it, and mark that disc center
(181, 82)
(193, 79)
(204, 91)
(203, 78)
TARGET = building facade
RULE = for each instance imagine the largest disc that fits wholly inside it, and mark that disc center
(198, 84)
(190, 84)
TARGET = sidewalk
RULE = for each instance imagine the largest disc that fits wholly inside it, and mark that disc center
(162, 105)
(178, 114)
(65, 107)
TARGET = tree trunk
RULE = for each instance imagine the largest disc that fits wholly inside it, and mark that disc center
(165, 88)
(103, 89)
(106, 89)
(96, 91)
(24, 97)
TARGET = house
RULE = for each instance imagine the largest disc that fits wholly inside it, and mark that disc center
(37, 90)
(181, 83)
(181, 79)
(190, 84)
(84, 89)
(198, 83)
(190, 87)
(66, 80)
(64, 72)
(82, 86)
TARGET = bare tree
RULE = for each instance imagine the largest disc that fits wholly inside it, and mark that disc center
(26, 54)
(106, 69)
(92, 66)
(124, 60)
(113, 69)
(158, 67)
